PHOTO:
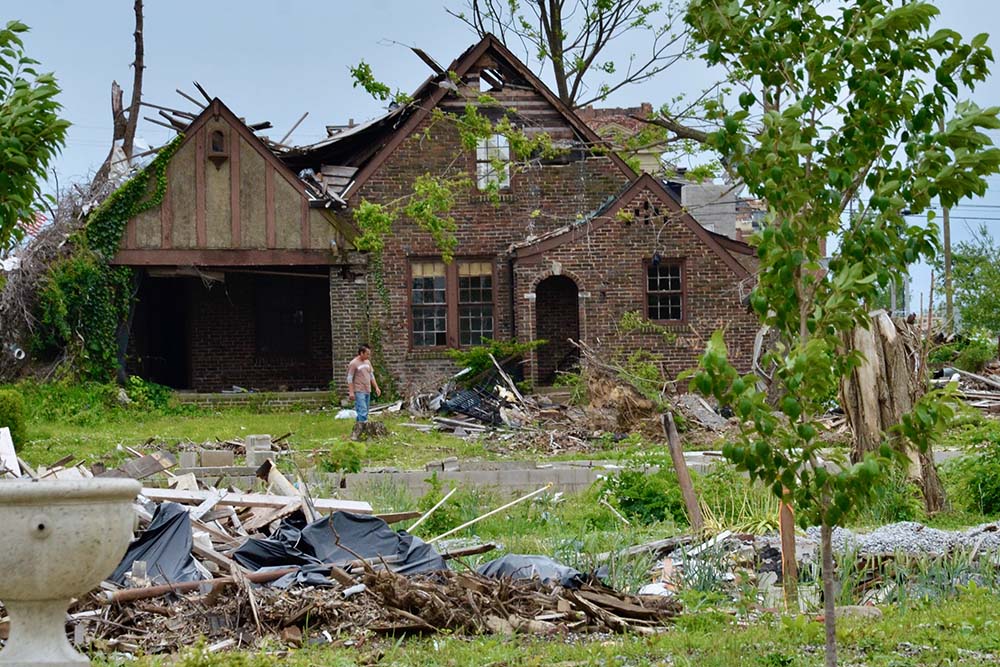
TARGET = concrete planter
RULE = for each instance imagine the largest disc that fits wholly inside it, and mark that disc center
(60, 539)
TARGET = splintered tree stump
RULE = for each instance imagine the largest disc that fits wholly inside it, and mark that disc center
(883, 389)
(369, 430)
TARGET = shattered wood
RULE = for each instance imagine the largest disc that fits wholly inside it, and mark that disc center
(456, 602)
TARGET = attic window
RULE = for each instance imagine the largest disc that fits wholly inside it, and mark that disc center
(493, 163)
(218, 148)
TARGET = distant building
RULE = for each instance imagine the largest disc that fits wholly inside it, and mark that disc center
(617, 124)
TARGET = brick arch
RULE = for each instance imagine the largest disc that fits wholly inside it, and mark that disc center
(548, 273)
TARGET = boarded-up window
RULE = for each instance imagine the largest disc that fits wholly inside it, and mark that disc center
(429, 304)
(475, 302)
(665, 291)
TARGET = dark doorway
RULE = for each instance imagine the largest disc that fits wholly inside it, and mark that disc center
(160, 338)
(557, 319)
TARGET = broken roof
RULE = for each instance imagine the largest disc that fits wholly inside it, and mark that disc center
(366, 146)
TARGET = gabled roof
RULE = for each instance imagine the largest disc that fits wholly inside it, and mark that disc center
(607, 214)
(377, 139)
(218, 109)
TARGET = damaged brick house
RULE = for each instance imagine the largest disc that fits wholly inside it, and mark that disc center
(250, 277)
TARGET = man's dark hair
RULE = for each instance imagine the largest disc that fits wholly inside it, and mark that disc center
(363, 347)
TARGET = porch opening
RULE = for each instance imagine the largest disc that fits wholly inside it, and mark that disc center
(218, 329)
(557, 319)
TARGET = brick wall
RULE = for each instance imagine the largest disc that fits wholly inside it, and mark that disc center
(608, 267)
(541, 198)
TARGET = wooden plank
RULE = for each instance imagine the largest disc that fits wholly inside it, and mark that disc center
(337, 170)
(208, 504)
(304, 230)
(200, 224)
(8, 457)
(254, 500)
(216, 534)
(271, 232)
(789, 562)
(234, 187)
(166, 219)
(220, 257)
(989, 382)
(396, 517)
(683, 475)
(265, 519)
(149, 464)
(219, 559)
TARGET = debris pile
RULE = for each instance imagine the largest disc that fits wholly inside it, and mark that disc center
(382, 602)
(241, 568)
(979, 391)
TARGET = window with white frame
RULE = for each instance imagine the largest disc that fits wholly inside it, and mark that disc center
(493, 162)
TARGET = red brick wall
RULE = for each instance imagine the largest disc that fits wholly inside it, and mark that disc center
(608, 267)
(557, 297)
(223, 339)
(558, 192)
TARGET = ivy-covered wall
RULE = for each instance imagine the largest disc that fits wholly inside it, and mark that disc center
(83, 299)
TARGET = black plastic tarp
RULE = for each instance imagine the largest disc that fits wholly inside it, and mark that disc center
(543, 568)
(165, 546)
(336, 540)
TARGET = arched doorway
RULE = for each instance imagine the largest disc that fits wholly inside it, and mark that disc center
(557, 319)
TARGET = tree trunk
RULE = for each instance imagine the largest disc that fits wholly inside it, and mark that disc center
(829, 601)
(883, 389)
(138, 65)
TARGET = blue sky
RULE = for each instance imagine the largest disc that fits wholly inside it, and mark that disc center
(273, 61)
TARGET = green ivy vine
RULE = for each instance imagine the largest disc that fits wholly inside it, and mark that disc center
(83, 298)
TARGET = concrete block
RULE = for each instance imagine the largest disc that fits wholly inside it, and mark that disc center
(217, 458)
(189, 459)
(258, 450)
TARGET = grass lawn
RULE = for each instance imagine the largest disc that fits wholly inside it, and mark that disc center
(958, 631)
(84, 422)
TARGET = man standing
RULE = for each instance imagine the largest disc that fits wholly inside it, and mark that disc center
(361, 381)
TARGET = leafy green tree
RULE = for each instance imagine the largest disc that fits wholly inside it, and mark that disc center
(976, 276)
(31, 132)
(836, 100)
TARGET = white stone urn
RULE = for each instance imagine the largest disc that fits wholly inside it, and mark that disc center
(58, 540)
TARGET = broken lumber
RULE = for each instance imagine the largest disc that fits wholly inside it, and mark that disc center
(253, 500)
(683, 475)
(490, 513)
(133, 594)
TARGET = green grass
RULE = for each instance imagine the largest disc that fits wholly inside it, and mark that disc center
(961, 631)
(50, 440)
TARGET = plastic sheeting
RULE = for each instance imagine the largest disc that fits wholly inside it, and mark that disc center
(165, 546)
(337, 539)
(517, 566)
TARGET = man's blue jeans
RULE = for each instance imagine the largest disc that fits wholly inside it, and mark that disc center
(361, 401)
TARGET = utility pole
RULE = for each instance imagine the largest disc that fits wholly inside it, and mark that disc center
(949, 311)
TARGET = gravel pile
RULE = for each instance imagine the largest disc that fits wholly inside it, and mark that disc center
(915, 538)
